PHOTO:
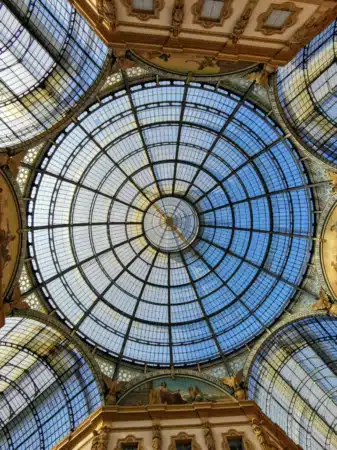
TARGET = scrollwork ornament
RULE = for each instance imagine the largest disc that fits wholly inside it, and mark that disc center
(156, 436)
(101, 439)
(177, 17)
(209, 438)
(107, 11)
(323, 303)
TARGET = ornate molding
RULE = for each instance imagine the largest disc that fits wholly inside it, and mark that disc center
(184, 437)
(12, 226)
(112, 389)
(101, 439)
(289, 22)
(107, 11)
(177, 16)
(208, 22)
(243, 20)
(237, 383)
(321, 18)
(324, 303)
(158, 5)
(129, 440)
(156, 436)
(208, 434)
(235, 434)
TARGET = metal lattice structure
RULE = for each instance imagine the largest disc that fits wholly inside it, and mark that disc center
(50, 59)
(293, 378)
(47, 386)
(307, 91)
(170, 224)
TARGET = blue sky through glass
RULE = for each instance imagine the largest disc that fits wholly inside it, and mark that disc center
(240, 176)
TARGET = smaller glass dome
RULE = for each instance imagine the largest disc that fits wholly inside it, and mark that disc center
(293, 379)
(49, 59)
(307, 92)
(47, 387)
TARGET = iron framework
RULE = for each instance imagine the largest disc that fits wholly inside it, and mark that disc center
(50, 60)
(203, 144)
(307, 92)
(293, 378)
(47, 387)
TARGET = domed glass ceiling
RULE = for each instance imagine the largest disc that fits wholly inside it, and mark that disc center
(171, 224)
(50, 58)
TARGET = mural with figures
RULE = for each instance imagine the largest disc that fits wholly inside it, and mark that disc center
(173, 391)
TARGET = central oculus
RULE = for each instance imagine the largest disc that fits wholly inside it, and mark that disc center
(171, 224)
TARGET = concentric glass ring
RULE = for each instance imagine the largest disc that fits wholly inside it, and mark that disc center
(171, 224)
(248, 245)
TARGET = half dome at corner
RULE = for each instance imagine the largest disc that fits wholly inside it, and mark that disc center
(185, 220)
(50, 60)
(47, 384)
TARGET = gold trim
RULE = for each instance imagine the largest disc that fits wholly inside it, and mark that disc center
(208, 22)
(247, 445)
(177, 16)
(107, 11)
(184, 437)
(289, 22)
(158, 5)
(130, 440)
(242, 22)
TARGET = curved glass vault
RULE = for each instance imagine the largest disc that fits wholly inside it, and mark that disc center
(50, 57)
(171, 224)
(46, 386)
(294, 380)
(307, 90)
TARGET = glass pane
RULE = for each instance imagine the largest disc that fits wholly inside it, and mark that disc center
(195, 242)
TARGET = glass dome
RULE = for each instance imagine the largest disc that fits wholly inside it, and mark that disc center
(171, 224)
(307, 88)
(47, 386)
(294, 380)
(50, 58)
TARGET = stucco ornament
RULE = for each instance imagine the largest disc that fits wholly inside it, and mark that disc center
(324, 303)
(236, 382)
(101, 439)
(209, 438)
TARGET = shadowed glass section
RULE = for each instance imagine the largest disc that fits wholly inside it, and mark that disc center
(236, 175)
(294, 381)
(46, 386)
(49, 58)
(307, 91)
